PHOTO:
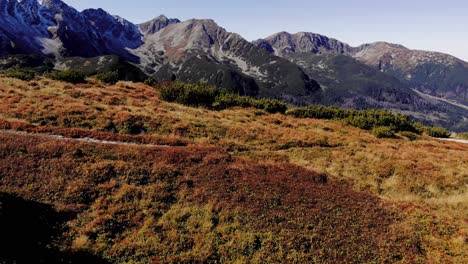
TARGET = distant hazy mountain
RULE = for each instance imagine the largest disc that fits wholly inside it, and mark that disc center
(378, 75)
(345, 81)
(430, 72)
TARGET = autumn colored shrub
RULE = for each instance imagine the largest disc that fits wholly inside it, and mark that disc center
(4, 124)
(129, 124)
(383, 132)
(100, 172)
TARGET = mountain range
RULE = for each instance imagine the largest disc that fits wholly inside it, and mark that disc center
(303, 68)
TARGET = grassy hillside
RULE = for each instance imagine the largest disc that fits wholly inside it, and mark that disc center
(237, 185)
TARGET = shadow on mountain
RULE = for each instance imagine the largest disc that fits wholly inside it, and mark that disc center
(28, 230)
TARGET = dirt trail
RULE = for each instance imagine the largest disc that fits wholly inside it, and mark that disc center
(120, 143)
(455, 140)
(86, 140)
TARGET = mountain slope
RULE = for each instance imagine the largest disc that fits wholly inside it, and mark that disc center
(103, 64)
(344, 78)
(117, 34)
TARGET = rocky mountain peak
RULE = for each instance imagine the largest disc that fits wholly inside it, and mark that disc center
(379, 46)
(193, 34)
(379, 53)
(156, 24)
(284, 42)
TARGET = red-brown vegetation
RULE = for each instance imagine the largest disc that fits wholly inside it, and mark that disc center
(115, 192)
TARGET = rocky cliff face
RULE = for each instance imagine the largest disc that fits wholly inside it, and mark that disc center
(26, 27)
(116, 33)
(52, 28)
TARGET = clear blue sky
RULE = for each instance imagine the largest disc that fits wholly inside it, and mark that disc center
(439, 25)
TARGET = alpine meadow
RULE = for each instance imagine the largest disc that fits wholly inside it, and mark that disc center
(178, 141)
